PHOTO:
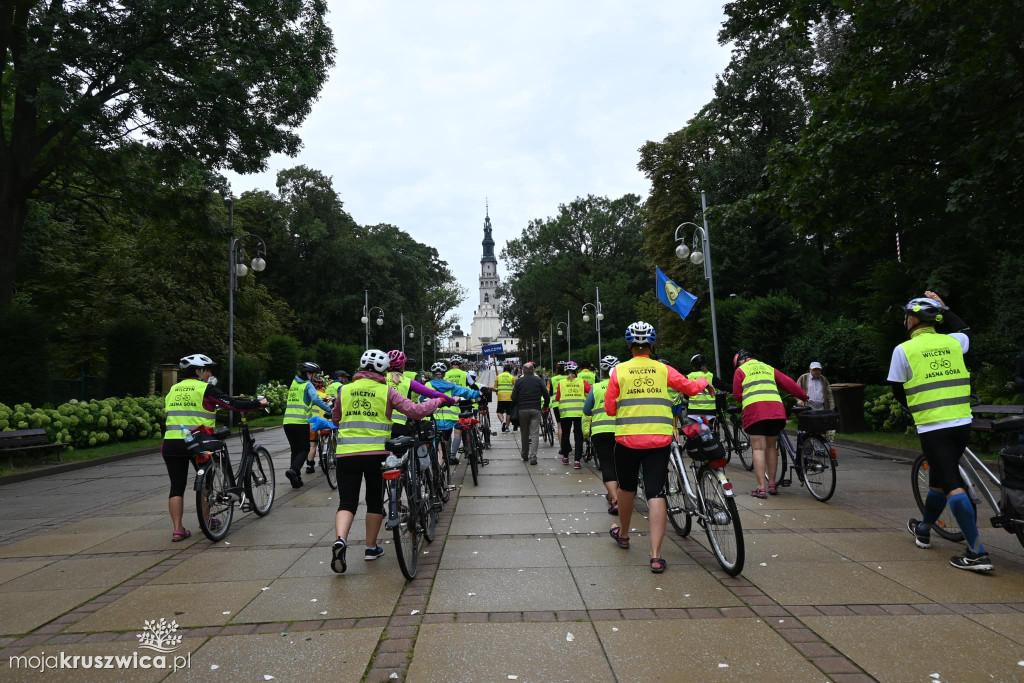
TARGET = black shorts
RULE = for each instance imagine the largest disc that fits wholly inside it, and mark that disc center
(504, 407)
(766, 428)
(655, 464)
(942, 449)
(558, 415)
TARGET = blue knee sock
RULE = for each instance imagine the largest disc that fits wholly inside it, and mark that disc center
(962, 509)
(934, 504)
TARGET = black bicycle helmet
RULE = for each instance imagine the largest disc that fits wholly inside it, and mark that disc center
(925, 310)
(697, 361)
(741, 356)
(308, 366)
(340, 374)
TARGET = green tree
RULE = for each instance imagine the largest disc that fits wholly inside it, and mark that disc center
(222, 82)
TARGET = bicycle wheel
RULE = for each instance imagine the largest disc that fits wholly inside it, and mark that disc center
(444, 471)
(549, 432)
(329, 462)
(725, 534)
(819, 469)
(407, 538)
(783, 467)
(946, 525)
(214, 499)
(485, 424)
(741, 443)
(675, 495)
(428, 513)
(260, 484)
(471, 454)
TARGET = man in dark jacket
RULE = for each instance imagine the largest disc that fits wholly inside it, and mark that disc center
(528, 396)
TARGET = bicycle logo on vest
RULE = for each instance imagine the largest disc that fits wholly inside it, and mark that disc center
(361, 404)
(936, 364)
(643, 382)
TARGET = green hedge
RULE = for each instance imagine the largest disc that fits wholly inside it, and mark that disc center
(90, 423)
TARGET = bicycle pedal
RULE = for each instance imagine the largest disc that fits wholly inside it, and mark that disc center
(786, 482)
(246, 507)
(452, 487)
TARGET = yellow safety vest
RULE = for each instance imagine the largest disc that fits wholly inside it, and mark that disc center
(457, 377)
(296, 411)
(571, 403)
(445, 412)
(405, 389)
(601, 422)
(940, 388)
(364, 425)
(183, 407)
(333, 388)
(759, 383)
(587, 376)
(703, 402)
(555, 379)
(644, 406)
(505, 383)
(410, 374)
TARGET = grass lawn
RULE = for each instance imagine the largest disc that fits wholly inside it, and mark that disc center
(885, 438)
(266, 421)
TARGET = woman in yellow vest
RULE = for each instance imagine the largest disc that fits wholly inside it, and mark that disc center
(407, 386)
(364, 416)
(504, 384)
(189, 404)
(756, 385)
(930, 378)
(302, 398)
(602, 434)
(553, 382)
(637, 396)
(571, 395)
(703, 404)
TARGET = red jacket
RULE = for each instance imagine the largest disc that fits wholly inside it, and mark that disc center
(765, 410)
(676, 380)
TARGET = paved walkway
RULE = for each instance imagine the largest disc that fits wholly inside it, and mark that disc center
(525, 586)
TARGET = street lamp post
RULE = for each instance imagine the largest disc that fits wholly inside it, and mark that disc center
(702, 240)
(568, 335)
(551, 346)
(237, 269)
(598, 317)
(412, 334)
(367, 312)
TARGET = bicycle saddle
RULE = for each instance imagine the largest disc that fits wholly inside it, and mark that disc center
(732, 410)
(221, 433)
(1008, 424)
(400, 444)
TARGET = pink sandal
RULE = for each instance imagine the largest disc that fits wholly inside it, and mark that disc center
(773, 490)
(759, 493)
(177, 536)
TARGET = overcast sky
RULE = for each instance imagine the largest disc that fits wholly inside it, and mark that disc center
(433, 106)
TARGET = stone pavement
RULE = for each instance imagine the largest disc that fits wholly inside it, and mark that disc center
(522, 582)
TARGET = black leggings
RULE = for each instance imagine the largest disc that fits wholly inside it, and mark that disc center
(942, 449)
(655, 464)
(352, 470)
(177, 470)
(574, 425)
(604, 448)
(298, 441)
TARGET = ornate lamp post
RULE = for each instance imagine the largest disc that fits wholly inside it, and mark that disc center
(412, 333)
(368, 313)
(701, 240)
(598, 317)
(237, 269)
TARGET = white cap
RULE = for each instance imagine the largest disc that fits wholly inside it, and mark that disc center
(815, 365)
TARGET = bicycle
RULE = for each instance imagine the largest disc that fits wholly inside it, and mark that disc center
(729, 426)
(547, 427)
(711, 501)
(946, 526)
(471, 439)
(326, 446)
(428, 476)
(402, 491)
(218, 488)
(812, 457)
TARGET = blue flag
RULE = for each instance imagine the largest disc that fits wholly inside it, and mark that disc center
(674, 296)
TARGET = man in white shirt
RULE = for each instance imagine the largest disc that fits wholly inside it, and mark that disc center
(819, 391)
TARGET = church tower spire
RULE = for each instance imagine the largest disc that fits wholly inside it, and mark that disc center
(488, 242)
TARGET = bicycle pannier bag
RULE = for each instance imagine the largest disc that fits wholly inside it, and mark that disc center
(819, 421)
(705, 451)
(1011, 461)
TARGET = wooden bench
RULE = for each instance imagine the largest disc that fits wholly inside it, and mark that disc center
(27, 440)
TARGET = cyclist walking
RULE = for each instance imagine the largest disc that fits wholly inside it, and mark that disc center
(703, 404)
(530, 396)
(553, 382)
(505, 383)
(447, 417)
(586, 374)
(637, 396)
(602, 434)
(457, 375)
(302, 397)
(406, 386)
(191, 403)
(930, 378)
(571, 394)
(364, 416)
(341, 378)
(757, 386)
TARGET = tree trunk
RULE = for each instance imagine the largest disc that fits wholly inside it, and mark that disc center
(13, 211)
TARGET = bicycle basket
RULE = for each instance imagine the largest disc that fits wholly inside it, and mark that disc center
(704, 451)
(818, 421)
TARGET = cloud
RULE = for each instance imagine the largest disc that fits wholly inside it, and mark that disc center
(434, 106)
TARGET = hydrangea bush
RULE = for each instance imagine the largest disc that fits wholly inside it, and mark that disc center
(82, 424)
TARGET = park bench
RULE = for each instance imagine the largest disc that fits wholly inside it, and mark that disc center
(27, 440)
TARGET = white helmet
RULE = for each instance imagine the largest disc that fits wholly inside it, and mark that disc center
(609, 362)
(196, 360)
(376, 360)
(439, 367)
(456, 360)
(471, 376)
(640, 333)
(571, 366)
